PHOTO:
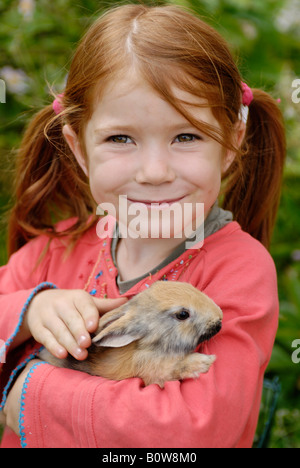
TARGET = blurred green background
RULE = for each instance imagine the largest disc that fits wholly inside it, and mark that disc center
(37, 39)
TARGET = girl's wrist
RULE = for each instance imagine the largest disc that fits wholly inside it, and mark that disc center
(22, 336)
(24, 333)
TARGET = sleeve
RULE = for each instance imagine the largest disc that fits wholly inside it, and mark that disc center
(66, 408)
(20, 280)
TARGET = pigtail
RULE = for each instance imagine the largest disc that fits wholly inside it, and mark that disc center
(254, 181)
(48, 184)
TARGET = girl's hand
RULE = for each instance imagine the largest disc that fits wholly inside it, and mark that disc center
(62, 320)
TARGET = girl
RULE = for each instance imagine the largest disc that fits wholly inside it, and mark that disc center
(154, 111)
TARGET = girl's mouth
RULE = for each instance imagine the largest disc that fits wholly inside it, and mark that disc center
(157, 203)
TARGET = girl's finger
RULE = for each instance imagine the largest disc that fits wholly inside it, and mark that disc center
(105, 305)
(88, 311)
(53, 346)
(74, 331)
(66, 331)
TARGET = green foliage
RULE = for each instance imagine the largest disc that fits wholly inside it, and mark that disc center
(36, 48)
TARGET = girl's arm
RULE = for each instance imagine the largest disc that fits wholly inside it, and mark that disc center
(42, 315)
(20, 281)
(219, 409)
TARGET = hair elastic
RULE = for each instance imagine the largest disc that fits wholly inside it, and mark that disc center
(57, 105)
(246, 101)
(247, 94)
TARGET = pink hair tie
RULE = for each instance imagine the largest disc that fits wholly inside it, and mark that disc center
(246, 101)
(247, 94)
(57, 105)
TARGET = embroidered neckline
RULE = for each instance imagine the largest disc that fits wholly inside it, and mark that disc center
(95, 285)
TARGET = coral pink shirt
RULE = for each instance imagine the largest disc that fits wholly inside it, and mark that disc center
(66, 408)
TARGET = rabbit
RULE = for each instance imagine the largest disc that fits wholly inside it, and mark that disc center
(153, 336)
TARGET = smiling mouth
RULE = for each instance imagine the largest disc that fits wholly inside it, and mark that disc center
(156, 203)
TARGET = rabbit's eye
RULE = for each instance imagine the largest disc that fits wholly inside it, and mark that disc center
(183, 314)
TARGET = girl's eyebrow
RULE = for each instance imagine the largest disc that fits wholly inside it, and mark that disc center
(113, 128)
(183, 126)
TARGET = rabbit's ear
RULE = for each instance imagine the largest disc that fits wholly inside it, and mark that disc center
(111, 317)
(114, 339)
(114, 328)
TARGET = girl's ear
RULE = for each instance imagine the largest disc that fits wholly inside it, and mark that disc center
(73, 142)
(239, 136)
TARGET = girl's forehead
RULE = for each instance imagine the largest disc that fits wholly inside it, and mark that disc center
(122, 85)
(132, 101)
(130, 96)
(126, 84)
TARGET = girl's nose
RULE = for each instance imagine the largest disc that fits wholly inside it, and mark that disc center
(155, 168)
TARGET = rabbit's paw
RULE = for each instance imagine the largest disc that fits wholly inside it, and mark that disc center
(196, 364)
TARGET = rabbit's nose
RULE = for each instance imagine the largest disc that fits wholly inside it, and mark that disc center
(216, 327)
(211, 331)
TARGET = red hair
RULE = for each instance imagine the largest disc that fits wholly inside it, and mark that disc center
(169, 46)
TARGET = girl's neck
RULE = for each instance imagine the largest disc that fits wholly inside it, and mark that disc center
(135, 257)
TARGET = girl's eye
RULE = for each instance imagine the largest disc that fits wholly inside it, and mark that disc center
(120, 139)
(186, 138)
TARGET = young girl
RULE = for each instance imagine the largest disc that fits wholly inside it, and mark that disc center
(154, 111)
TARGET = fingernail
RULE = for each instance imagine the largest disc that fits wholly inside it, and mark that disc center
(79, 351)
(83, 340)
(90, 325)
(60, 353)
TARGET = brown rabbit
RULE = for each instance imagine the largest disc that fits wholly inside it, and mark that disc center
(153, 336)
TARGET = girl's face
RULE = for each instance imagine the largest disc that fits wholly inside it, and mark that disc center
(140, 147)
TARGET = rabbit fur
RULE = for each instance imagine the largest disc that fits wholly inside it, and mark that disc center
(153, 336)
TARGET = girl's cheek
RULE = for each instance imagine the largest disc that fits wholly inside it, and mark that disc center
(205, 175)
